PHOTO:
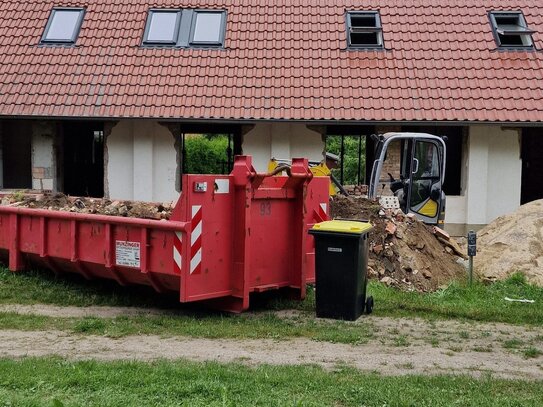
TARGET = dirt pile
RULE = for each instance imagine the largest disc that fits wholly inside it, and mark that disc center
(512, 243)
(403, 251)
(61, 202)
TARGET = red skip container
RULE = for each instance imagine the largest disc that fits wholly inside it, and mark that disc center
(228, 236)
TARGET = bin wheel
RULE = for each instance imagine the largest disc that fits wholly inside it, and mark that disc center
(369, 305)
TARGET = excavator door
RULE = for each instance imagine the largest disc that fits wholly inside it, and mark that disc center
(411, 166)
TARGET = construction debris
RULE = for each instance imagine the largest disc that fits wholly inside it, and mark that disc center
(404, 252)
(61, 202)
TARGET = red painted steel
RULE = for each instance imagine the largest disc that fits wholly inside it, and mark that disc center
(229, 235)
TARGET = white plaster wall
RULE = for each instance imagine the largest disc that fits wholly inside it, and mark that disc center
(141, 162)
(494, 174)
(281, 140)
(257, 143)
(120, 165)
(455, 211)
(43, 160)
(504, 175)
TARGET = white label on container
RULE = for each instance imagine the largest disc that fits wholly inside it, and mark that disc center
(335, 249)
(127, 253)
(222, 186)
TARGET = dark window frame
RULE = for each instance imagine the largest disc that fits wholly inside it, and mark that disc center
(184, 30)
(175, 38)
(222, 32)
(522, 23)
(378, 29)
(77, 28)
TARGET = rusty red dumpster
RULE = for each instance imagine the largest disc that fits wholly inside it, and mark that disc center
(228, 236)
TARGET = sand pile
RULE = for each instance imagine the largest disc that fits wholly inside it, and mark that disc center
(512, 243)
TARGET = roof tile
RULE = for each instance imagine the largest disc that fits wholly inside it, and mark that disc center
(285, 59)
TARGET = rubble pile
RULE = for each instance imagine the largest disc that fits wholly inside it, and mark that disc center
(403, 252)
(61, 202)
(512, 243)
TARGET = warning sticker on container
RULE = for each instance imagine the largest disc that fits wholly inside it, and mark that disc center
(127, 253)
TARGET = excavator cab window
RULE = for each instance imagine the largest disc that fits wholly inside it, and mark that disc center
(411, 166)
(425, 177)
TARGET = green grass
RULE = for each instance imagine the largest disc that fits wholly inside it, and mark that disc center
(479, 302)
(532, 352)
(263, 326)
(458, 301)
(55, 382)
(512, 343)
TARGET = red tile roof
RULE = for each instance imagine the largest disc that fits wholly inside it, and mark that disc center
(284, 59)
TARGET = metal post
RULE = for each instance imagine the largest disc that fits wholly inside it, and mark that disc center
(342, 154)
(183, 155)
(472, 251)
(359, 160)
(229, 153)
(470, 270)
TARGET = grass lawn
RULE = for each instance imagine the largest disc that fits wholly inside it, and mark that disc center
(56, 383)
(458, 301)
(485, 303)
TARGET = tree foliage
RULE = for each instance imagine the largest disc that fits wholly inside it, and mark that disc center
(206, 154)
(351, 157)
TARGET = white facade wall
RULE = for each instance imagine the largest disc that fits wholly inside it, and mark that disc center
(492, 167)
(142, 165)
(141, 162)
(281, 140)
(43, 156)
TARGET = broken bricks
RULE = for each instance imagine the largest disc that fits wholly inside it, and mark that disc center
(391, 228)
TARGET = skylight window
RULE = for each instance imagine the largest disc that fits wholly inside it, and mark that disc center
(63, 25)
(207, 28)
(185, 28)
(510, 29)
(364, 29)
(162, 26)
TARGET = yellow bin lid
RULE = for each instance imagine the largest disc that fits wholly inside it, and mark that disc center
(343, 226)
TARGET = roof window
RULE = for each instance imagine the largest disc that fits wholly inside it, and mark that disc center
(510, 29)
(63, 25)
(207, 28)
(162, 26)
(364, 29)
(185, 28)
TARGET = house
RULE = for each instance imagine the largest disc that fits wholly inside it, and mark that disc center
(95, 95)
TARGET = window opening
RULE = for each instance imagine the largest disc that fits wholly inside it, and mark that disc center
(510, 30)
(351, 150)
(425, 173)
(364, 30)
(63, 26)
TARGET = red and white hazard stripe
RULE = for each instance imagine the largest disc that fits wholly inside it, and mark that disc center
(196, 240)
(322, 212)
(195, 243)
(177, 250)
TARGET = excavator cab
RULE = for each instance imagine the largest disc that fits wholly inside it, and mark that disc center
(411, 167)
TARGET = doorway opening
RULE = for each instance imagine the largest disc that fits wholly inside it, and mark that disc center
(532, 165)
(354, 148)
(83, 159)
(16, 153)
